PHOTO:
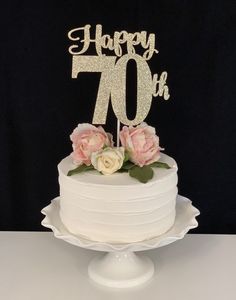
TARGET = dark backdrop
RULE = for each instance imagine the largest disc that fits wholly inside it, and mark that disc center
(41, 104)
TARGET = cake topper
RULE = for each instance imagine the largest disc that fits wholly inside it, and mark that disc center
(112, 84)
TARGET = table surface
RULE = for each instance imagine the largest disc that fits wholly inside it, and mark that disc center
(35, 265)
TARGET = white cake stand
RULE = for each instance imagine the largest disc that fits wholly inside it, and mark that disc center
(121, 267)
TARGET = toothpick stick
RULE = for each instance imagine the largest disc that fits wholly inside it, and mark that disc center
(118, 134)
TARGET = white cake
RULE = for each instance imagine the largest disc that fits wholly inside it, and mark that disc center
(117, 208)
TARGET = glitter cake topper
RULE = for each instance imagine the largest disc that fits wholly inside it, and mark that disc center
(113, 70)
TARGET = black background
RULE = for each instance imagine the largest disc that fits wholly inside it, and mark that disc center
(41, 104)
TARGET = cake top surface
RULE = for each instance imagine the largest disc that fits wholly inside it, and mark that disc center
(117, 179)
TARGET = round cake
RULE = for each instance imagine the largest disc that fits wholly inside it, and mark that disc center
(117, 208)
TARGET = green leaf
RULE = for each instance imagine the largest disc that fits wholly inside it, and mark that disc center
(80, 169)
(126, 156)
(122, 170)
(127, 165)
(143, 174)
(158, 164)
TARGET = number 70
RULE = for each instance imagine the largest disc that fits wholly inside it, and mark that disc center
(113, 83)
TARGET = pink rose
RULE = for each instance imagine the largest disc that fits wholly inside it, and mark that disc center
(87, 139)
(142, 144)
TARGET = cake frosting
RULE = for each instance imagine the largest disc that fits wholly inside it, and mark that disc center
(117, 208)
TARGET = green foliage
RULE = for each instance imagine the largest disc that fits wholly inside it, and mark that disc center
(127, 165)
(126, 156)
(158, 164)
(80, 169)
(143, 174)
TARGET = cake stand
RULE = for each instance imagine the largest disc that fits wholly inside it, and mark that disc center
(121, 267)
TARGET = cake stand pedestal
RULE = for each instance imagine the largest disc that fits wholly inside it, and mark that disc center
(121, 267)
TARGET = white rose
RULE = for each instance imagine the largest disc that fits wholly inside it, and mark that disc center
(108, 160)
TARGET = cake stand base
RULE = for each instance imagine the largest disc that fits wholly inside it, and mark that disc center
(121, 269)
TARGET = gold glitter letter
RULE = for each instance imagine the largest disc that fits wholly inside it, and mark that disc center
(144, 89)
(160, 87)
(105, 65)
(86, 41)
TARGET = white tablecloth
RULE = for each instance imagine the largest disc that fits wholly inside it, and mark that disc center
(35, 265)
